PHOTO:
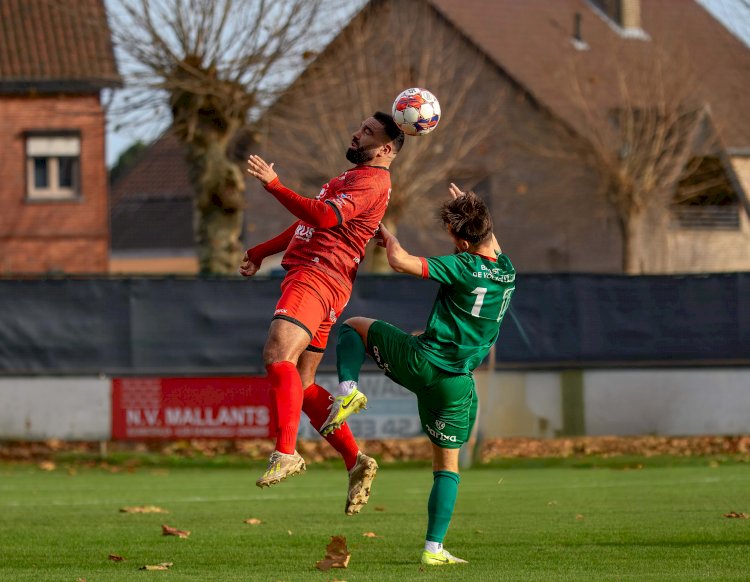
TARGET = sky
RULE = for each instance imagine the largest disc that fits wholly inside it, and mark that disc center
(734, 14)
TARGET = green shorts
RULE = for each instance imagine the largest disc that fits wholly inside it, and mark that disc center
(447, 402)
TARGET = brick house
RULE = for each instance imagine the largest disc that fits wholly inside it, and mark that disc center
(55, 58)
(547, 197)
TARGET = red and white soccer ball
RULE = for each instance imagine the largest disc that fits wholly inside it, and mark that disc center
(416, 111)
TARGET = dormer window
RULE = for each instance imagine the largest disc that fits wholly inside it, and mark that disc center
(53, 166)
(705, 198)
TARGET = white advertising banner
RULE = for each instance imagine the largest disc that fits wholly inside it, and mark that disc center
(391, 410)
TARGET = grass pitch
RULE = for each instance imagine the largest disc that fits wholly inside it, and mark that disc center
(560, 523)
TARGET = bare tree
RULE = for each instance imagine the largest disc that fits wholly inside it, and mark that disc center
(387, 48)
(213, 62)
(643, 136)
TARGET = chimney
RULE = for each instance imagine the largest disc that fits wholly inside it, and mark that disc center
(577, 38)
(624, 13)
(630, 14)
(577, 27)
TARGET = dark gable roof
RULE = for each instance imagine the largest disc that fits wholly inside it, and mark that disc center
(531, 41)
(159, 171)
(55, 45)
(151, 204)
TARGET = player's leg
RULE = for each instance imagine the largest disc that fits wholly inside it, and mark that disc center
(299, 313)
(440, 506)
(448, 426)
(284, 344)
(317, 404)
(350, 355)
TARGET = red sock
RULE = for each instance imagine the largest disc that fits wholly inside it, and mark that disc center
(315, 405)
(286, 387)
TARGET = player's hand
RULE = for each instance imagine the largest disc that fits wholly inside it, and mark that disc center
(385, 236)
(248, 268)
(455, 191)
(378, 236)
(258, 168)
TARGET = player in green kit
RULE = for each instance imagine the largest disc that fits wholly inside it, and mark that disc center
(476, 287)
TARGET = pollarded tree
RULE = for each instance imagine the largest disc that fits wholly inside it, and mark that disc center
(212, 63)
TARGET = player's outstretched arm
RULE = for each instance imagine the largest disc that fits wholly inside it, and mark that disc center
(399, 260)
(314, 212)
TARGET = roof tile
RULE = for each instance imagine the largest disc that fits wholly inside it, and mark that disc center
(44, 41)
(531, 41)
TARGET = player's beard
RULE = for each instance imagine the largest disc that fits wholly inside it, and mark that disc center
(359, 155)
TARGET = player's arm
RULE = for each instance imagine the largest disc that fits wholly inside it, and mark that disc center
(254, 256)
(400, 260)
(314, 212)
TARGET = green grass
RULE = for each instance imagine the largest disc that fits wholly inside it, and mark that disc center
(515, 523)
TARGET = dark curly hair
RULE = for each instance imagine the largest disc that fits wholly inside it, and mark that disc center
(467, 218)
(392, 130)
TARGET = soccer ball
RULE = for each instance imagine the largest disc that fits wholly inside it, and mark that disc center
(416, 111)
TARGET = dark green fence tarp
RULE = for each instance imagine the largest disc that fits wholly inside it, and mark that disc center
(218, 325)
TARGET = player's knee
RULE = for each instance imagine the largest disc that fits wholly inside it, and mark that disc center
(359, 324)
(274, 352)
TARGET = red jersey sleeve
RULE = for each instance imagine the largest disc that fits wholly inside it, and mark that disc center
(313, 212)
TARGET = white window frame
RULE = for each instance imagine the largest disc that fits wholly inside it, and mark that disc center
(52, 147)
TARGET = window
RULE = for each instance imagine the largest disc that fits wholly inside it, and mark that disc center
(705, 197)
(53, 167)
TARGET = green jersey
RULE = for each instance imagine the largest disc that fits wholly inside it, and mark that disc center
(474, 295)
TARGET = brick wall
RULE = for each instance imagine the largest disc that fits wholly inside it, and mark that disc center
(59, 236)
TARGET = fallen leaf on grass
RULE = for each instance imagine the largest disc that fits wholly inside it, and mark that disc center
(370, 534)
(253, 521)
(337, 555)
(173, 531)
(115, 558)
(47, 466)
(579, 517)
(737, 515)
(143, 509)
(289, 531)
(161, 566)
(379, 508)
(479, 531)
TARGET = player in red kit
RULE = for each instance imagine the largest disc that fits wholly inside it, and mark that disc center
(323, 250)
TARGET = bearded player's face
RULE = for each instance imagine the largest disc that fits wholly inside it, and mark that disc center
(366, 141)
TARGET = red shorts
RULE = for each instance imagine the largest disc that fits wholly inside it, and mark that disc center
(313, 302)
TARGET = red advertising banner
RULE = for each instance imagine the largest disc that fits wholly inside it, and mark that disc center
(181, 408)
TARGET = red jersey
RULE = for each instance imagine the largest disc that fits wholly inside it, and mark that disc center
(359, 198)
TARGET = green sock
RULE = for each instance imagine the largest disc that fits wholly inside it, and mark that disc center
(350, 354)
(441, 503)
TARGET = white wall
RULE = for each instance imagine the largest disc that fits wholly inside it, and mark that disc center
(668, 402)
(615, 402)
(45, 408)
